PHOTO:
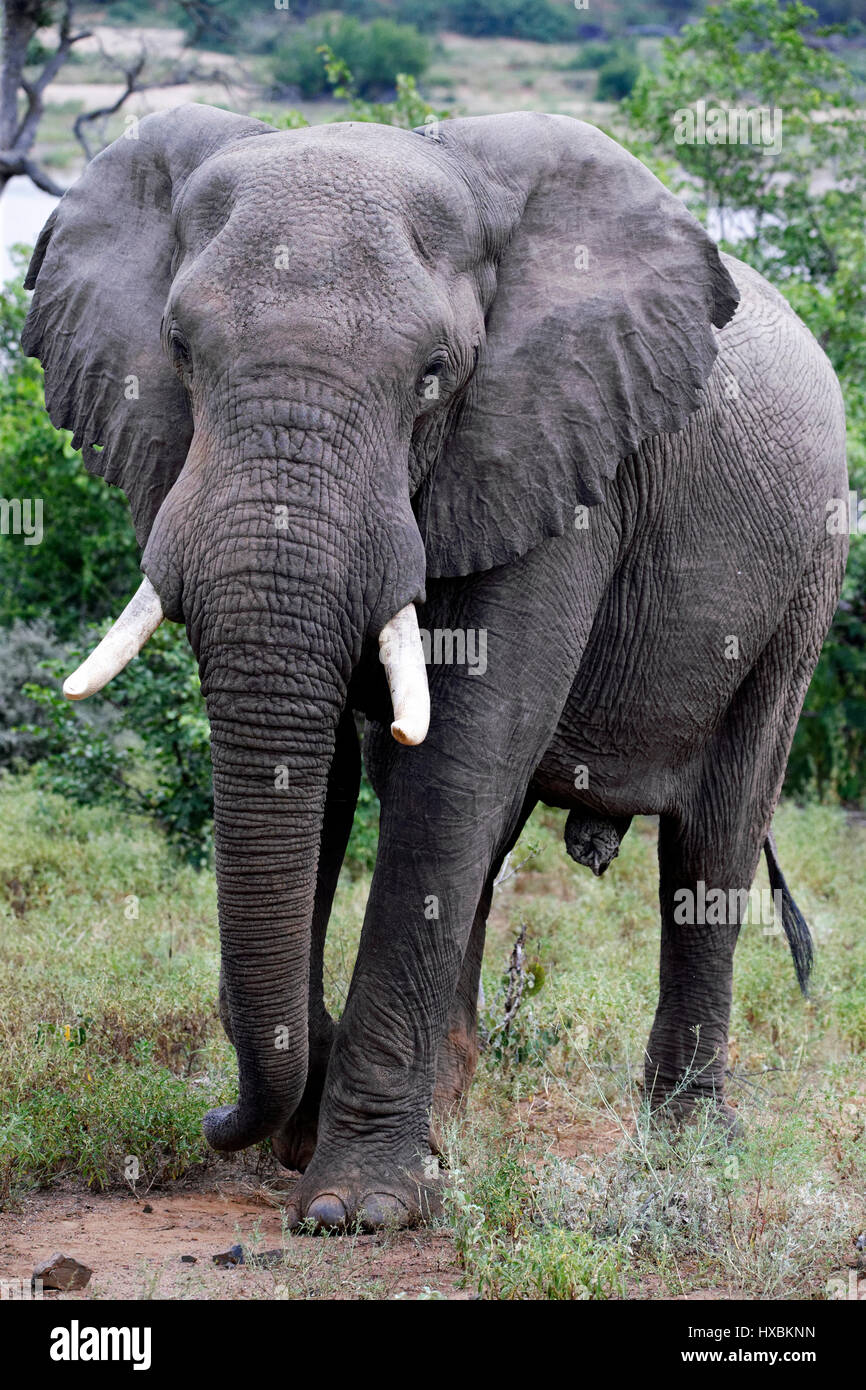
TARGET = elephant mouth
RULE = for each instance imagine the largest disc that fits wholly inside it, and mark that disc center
(400, 651)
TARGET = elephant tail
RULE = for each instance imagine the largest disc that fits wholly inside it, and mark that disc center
(794, 923)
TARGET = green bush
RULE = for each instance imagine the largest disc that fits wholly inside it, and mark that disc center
(216, 24)
(515, 19)
(375, 53)
(85, 566)
(297, 63)
(617, 77)
(408, 108)
(152, 755)
(592, 55)
(24, 647)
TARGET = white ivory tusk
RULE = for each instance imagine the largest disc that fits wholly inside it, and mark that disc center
(138, 621)
(402, 655)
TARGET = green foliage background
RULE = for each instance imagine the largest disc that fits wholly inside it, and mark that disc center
(809, 239)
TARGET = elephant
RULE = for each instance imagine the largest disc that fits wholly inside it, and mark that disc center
(360, 384)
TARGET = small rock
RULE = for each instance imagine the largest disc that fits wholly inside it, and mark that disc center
(227, 1258)
(62, 1272)
(188, 1259)
(147, 1209)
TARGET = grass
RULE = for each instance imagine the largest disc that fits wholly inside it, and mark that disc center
(560, 1186)
(108, 1030)
(562, 1174)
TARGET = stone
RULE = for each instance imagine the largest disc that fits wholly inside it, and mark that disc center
(63, 1272)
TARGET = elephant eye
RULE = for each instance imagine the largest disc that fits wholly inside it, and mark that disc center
(180, 353)
(429, 381)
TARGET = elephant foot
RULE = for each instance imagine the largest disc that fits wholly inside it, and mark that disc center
(331, 1199)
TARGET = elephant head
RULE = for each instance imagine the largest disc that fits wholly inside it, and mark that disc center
(323, 365)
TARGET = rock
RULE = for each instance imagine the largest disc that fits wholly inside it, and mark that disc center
(188, 1259)
(63, 1272)
(147, 1209)
(234, 1256)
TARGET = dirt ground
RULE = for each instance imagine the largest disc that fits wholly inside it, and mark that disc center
(162, 1244)
(136, 1249)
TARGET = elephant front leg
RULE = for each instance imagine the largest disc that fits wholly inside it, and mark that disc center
(450, 809)
(372, 1161)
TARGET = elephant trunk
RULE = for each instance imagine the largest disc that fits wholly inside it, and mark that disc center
(283, 565)
(269, 798)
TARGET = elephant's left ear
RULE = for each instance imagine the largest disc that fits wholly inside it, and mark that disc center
(598, 336)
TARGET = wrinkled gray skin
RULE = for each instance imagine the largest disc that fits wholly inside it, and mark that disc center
(284, 300)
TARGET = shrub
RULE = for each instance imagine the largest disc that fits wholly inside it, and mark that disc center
(23, 648)
(297, 64)
(86, 566)
(617, 77)
(152, 756)
(592, 55)
(375, 53)
(515, 19)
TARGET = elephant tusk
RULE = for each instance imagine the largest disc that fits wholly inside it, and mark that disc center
(138, 622)
(402, 655)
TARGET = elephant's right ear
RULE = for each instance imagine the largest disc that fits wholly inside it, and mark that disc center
(102, 271)
(602, 296)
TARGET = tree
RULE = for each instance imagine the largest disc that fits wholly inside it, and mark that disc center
(21, 21)
(22, 51)
(806, 235)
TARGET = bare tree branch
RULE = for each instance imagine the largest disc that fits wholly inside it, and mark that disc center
(21, 21)
(131, 74)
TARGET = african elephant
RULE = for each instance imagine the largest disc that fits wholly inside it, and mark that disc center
(491, 371)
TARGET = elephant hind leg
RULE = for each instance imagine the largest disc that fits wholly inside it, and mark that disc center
(688, 1046)
(459, 1049)
(708, 854)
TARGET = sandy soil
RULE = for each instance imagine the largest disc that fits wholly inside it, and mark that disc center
(135, 1247)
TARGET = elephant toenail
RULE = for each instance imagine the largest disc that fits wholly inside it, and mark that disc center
(327, 1211)
(379, 1209)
